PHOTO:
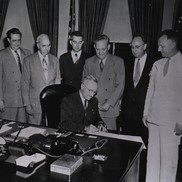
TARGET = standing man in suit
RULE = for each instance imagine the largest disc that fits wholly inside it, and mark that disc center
(39, 70)
(72, 62)
(163, 110)
(110, 72)
(79, 111)
(137, 78)
(11, 59)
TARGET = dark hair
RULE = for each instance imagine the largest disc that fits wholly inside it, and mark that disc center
(102, 37)
(171, 34)
(76, 33)
(141, 36)
(13, 31)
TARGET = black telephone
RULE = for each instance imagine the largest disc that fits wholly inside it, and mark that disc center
(54, 145)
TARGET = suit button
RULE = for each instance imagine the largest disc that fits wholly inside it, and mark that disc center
(106, 89)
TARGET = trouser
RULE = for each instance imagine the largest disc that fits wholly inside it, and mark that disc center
(110, 122)
(14, 114)
(162, 157)
(135, 127)
(34, 118)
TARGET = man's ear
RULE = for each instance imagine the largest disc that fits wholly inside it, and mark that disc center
(37, 45)
(8, 40)
(82, 86)
(145, 46)
(108, 46)
(82, 42)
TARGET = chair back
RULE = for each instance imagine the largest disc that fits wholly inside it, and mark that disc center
(50, 99)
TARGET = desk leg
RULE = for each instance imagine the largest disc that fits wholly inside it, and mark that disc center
(133, 173)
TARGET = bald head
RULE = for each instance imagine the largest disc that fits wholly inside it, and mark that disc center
(43, 44)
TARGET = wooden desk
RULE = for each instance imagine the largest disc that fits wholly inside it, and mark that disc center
(122, 165)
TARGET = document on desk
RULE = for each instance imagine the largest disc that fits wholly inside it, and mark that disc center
(6, 127)
(29, 131)
(118, 136)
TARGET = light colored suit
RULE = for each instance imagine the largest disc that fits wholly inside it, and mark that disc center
(111, 82)
(163, 108)
(10, 76)
(33, 80)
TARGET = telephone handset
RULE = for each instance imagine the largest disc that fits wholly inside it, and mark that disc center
(54, 145)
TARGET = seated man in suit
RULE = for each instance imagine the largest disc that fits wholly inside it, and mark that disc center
(79, 111)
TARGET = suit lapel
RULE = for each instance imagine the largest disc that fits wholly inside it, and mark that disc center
(145, 72)
(38, 66)
(80, 105)
(11, 59)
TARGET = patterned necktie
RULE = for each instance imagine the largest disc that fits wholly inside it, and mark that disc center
(137, 73)
(76, 58)
(166, 66)
(45, 67)
(101, 65)
(85, 106)
(18, 60)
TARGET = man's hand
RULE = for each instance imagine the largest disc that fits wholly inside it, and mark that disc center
(178, 129)
(104, 107)
(102, 128)
(1, 106)
(91, 129)
(145, 122)
(29, 110)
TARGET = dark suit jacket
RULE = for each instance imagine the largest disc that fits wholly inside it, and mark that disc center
(72, 73)
(73, 114)
(134, 97)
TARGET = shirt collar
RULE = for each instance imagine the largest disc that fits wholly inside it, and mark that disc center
(174, 56)
(42, 57)
(78, 53)
(13, 51)
(104, 60)
(82, 98)
(143, 58)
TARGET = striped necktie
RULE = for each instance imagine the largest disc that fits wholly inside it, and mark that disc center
(18, 60)
(45, 67)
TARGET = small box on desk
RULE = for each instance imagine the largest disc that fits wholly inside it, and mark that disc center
(66, 164)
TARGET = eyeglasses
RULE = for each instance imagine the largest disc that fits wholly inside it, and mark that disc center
(90, 90)
(136, 47)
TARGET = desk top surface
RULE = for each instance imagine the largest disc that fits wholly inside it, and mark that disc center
(121, 154)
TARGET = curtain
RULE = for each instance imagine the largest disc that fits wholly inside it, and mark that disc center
(146, 18)
(43, 15)
(177, 19)
(92, 17)
(3, 10)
